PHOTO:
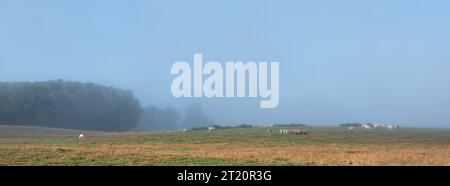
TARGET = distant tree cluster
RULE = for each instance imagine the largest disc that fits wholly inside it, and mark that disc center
(156, 119)
(194, 116)
(160, 119)
(351, 125)
(65, 104)
(224, 127)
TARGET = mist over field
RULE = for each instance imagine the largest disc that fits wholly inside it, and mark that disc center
(355, 62)
(225, 83)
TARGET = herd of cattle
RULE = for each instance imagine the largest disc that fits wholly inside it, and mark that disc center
(374, 126)
(284, 131)
(297, 131)
(291, 131)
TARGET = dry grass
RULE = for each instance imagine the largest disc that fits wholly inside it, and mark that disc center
(233, 147)
(332, 154)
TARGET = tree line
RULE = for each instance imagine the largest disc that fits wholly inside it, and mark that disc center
(164, 119)
(67, 104)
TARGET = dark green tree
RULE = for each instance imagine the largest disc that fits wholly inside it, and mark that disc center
(67, 104)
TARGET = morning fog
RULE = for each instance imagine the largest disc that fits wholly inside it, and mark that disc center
(235, 75)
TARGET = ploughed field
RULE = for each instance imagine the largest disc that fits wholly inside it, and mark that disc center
(20, 145)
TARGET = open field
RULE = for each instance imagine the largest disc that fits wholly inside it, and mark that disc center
(252, 146)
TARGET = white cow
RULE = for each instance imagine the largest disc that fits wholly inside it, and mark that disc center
(211, 129)
(184, 131)
(284, 131)
(351, 128)
(298, 132)
(81, 136)
(269, 131)
(392, 127)
(365, 126)
(378, 126)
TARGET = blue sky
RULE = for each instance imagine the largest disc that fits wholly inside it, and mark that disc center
(340, 61)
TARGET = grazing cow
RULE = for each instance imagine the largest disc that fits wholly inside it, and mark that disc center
(378, 126)
(392, 127)
(81, 136)
(269, 131)
(211, 129)
(292, 132)
(351, 128)
(365, 126)
(298, 132)
(302, 132)
(283, 131)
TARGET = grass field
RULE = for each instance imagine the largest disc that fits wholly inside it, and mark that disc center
(252, 146)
